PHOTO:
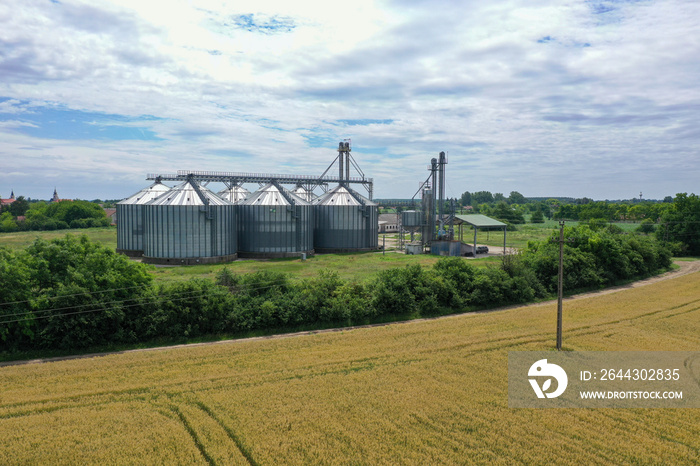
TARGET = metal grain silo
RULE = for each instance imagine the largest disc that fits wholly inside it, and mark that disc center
(345, 221)
(130, 219)
(189, 225)
(305, 194)
(273, 222)
(234, 194)
(411, 219)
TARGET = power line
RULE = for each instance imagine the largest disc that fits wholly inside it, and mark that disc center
(77, 306)
(92, 310)
(84, 293)
(248, 289)
(191, 294)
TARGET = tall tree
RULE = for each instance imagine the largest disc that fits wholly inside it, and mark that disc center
(537, 217)
(506, 213)
(516, 198)
(482, 197)
(681, 223)
(19, 207)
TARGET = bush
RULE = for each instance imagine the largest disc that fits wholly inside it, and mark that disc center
(312, 297)
(409, 291)
(595, 258)
(228, 279)
(69, 211)
(489, 287)
(185, 309)
(78, 223)
(351, 303)
(260, 300)
(648, 226)
(681, 225)
(16, 293)
(537, 217)
(524, 277)
(597, 223)
(71, 293)
(80, 293)
(63, 215)
(460, 277)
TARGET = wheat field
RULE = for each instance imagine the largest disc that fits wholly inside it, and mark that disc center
(427, 392)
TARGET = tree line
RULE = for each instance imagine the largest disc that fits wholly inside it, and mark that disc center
(23, 215)
(675, 220)
(71, 293)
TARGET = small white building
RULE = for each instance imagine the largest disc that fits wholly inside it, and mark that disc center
(389, 223)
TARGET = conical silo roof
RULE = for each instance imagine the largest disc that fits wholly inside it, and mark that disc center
(272, 195)
(305, 194)
(146, 194)
(340, 195)
(186, 194)
(235, 194)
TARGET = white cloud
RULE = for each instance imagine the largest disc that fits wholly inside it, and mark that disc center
(16, 124)
(546, 98)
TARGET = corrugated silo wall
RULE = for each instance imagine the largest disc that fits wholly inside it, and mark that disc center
(346, 228)
(411, 218)
(130, 229)
(373, 226)
(185, 232)
(273, 231)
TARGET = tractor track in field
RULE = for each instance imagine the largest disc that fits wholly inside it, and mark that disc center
(685, 268)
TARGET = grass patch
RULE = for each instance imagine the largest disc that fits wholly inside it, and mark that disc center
(514, 239)
(530, 232)
(353, 267)
(349, 266)
(22, 239)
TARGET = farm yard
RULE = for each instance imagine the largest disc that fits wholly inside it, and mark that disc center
(423, 392)
(348, 266)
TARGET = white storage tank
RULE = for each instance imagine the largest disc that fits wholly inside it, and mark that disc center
(189, 225)
(130, 219)
(273, 222)
(345, 221)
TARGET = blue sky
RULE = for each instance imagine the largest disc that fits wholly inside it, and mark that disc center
(552, 98)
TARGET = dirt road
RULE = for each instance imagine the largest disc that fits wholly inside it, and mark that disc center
(686, 267)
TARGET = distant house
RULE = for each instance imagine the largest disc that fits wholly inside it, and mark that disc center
(111, 215)
(55, 197)
(388, 223)
(4, 202)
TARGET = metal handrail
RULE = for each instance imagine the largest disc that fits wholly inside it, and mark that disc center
(215, 174)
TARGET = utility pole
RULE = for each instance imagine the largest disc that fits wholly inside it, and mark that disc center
(560, 299)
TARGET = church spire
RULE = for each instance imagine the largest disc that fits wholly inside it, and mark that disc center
(55, 196)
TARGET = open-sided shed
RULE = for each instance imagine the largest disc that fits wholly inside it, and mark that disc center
(480, 221)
